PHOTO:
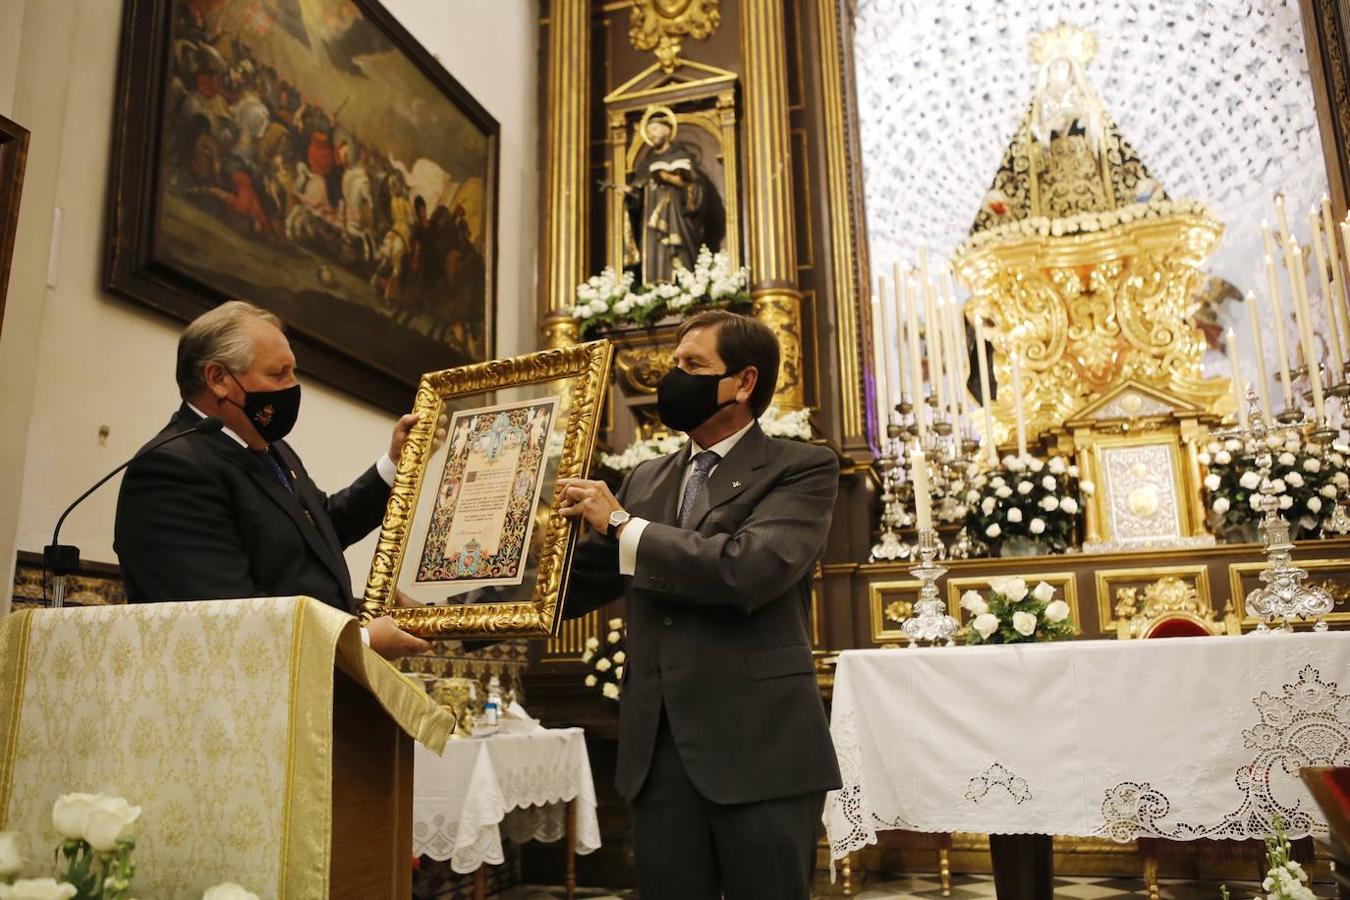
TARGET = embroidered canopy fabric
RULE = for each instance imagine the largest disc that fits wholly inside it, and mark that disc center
(464, 798)
(1178, 739)
(215, 717)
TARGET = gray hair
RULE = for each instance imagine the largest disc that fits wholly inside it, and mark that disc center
(220, 335)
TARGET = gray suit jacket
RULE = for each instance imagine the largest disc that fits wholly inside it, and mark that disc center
(718, 619)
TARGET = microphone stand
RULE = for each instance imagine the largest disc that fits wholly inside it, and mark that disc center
(63, 560)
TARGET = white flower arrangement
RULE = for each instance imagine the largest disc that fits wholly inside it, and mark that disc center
(606, 659)
(1308, 481)
(1082, 223)
(792, 426)
(1011, 613)
(1285, 878)
(608, 300)
(97, 840)
(1026, 498)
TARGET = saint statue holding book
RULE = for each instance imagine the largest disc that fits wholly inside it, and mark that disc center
(673, 208)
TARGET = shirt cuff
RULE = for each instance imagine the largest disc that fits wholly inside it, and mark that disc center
(387, 469)
(365, 636)
(628, 545)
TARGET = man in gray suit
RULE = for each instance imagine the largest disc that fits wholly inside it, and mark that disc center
(724, 750)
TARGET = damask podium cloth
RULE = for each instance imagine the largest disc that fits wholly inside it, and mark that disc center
(465, 798)
(1176, 739)
(215, 717)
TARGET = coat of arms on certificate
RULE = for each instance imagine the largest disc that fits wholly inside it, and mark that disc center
(471, 544)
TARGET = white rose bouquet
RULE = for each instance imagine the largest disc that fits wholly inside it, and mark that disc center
(96, 845)
(608, 300)
(1308, 482)
(606, 657)
(1010, 613)
(1029, 499)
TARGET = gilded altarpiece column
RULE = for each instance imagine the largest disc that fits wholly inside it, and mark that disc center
(768, 191)
(566, 195)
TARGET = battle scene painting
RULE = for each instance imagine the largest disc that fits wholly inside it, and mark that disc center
(314, 159)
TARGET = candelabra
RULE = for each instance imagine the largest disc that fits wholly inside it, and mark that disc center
(1283, 597)
(930, 622)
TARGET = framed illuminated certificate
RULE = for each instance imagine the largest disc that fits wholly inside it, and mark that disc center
(471, 543)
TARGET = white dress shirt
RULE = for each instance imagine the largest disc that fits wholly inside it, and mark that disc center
(632, 532)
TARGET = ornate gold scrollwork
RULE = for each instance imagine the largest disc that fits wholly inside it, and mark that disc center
(899, 610)
(1168, 597)
(643, 368)
(660, 26)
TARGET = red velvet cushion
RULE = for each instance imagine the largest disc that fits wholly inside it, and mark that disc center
(1176, 627)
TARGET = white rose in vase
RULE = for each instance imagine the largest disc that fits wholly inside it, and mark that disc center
(11, 856)
(1087, 487)
(1286, 501)
(1221, 505)
(610, 690)
(1013, 588)
(1250, 480)
(1048, 482)
(1213, 481)
(974, 602)
(229, 891)
(1024, 623)
(1328, 491)
(109, 821)
(1056, 611)
(1037, 526)
(615, 624)
(1050, 504)
(603, 665)
(69, 814)
(1004, 492)
(1043, 592)
(1070, 505)
(987, 505)
(1014, 515)
(993, 531)
(1025, 487)
(1312, 464)
(592, 643)
(620, 657)
(1035, 465)
(1294, 479)
(1057, 466)
(1223, 457)
(1315, 504)
(591, 681)
(1286, 458)
(614, 637)
(985, 624)
(37, 889)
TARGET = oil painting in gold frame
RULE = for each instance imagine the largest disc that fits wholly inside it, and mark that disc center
(545, 408)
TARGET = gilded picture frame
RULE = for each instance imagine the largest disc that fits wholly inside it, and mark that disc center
(526, 422)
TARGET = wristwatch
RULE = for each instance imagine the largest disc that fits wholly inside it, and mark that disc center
(616, 521)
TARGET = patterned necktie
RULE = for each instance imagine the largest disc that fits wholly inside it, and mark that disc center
(274, 467)
(697, 486)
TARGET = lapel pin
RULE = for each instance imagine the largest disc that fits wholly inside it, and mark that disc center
(735, 484)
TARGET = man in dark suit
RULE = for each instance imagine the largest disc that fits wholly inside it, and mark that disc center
(724, 749)
(233, 513)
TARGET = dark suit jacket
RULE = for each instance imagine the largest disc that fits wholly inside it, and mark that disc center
(718, 621)
(202, 518)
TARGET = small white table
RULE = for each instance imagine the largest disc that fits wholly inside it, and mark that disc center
(532, 787)
(1175, 739)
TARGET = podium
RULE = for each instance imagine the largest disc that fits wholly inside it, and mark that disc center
(265, 743)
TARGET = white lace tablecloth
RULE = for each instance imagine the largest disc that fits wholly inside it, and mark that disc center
(1178, 739)
(517, 784)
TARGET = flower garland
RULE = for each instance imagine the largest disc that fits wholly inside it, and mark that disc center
(1012, 614)
(1026, 497)
(608, 300)
(97, 841)
(1308, 483)
(606, 661)
(792, 426)
(1082, 223)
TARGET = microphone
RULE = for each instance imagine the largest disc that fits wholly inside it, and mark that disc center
(64, 559)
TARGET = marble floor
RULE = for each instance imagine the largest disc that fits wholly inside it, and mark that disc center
(972, 887)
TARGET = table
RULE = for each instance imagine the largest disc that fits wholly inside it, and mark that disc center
(535, 786)
(1173, 739)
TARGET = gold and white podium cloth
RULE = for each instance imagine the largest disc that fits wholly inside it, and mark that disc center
(216, 717)
(1179, 739)
(518, 784)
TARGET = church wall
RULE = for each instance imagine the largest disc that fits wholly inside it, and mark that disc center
(11, 28)
(74, 359)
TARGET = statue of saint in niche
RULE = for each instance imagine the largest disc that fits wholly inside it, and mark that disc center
(673, 208)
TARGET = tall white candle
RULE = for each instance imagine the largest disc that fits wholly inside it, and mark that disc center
(891, 362)
(879, 351)
(949, 356)
(961, 356)
(1283, 218)
(1297, 277)
(932, 333)
(923, 501)
(1239, 394)
(915, 361)
(982, 360)
(895, 308)
(1341, 300)
(1281, 348)
(1017, 403)
(1259, 350)
(1320, 260)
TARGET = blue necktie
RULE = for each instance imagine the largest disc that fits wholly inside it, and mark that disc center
(274, 468)
(697, 486)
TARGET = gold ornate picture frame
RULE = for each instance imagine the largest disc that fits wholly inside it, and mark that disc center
(472, 543)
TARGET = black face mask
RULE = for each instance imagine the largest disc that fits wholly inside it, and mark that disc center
(273, 413)
(686, 401)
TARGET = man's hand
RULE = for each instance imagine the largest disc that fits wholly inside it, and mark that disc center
(590, 501)
(404, 427)
(392, 642)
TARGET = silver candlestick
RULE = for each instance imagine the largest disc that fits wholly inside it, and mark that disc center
(1283, 597)
(929, 623)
